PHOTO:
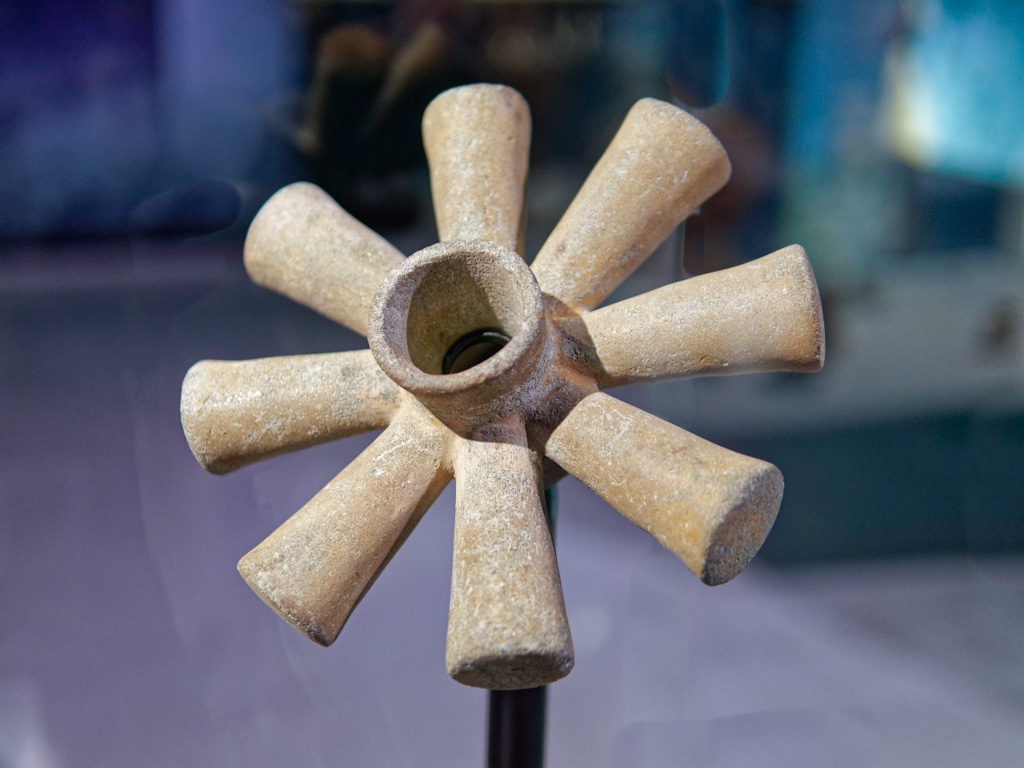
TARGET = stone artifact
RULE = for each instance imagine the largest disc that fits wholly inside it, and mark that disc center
(488, 371)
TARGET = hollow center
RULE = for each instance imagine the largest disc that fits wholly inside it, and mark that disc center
(461, 313)
(472, 349)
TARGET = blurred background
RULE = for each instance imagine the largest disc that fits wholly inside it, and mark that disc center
(881, 623)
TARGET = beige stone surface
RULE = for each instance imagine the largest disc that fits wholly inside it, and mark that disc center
(238, 412)
(712, 507)
(535, 400)
(315, 568)
(507, 626)
(477, 139)
(764, 315)
(305, 246)
(661, 165)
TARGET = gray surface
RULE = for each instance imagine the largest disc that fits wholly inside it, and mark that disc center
(128, 638)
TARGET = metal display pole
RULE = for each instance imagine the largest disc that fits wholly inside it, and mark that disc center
(517, 720)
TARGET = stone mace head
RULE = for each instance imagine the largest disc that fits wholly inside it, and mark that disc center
(515, 420)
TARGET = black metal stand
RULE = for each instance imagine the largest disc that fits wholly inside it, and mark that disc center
(517, 719)
(515, 737)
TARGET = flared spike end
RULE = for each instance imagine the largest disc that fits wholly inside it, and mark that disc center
(513, 670)
(805, 307)
(320, 627)
(196, 390)
(744, 521)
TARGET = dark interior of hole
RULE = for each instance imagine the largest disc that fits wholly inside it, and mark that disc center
(472, 349)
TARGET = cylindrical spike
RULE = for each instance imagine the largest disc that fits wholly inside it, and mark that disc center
(661, 165)
(477, 139)
(235, 413)
(761, 316)
(304, 245)
(315, 568)
(710, 506)
(507, 627)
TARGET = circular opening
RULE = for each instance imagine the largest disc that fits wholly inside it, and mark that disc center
(459, 319)
(472, 349)
(470, 303)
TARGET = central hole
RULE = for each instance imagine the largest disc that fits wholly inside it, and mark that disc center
(461, 303)
(472, 349)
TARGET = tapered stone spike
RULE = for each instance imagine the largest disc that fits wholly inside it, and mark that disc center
(477, 139)
(315, 568)
(660, 166)
(710, 506)
(507, 627)
(235, 413)
(304, 245)
(761, 316)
